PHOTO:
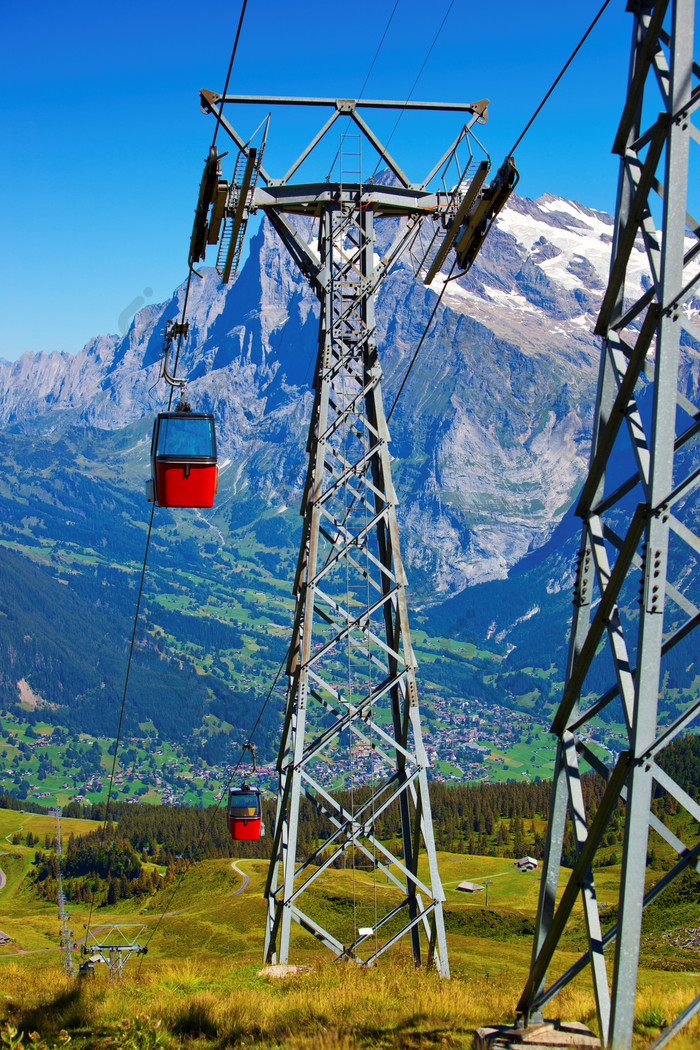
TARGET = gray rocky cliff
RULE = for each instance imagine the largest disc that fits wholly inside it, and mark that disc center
(490, 436)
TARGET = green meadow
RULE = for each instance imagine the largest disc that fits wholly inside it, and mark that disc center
(200, 984)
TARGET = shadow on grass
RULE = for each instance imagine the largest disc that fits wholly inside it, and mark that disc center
(70, 1009)
(194, 1018)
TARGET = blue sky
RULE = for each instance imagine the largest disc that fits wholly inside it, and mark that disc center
(103, 139)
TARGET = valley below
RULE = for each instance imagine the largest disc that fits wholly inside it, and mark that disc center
(490, 441)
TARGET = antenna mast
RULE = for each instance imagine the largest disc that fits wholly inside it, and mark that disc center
(63, 915)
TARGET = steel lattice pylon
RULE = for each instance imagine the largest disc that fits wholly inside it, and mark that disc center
(353, 658)
(640, 512)
(63, 915)
(352, 702)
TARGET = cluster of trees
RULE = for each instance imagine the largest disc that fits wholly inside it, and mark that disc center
(211, 635)
(12, 802)
(29, 840)
(682, 762)
(100, 867)
(487, 819)
(167, 835)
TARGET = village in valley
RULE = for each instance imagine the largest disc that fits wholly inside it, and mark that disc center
(464, 743)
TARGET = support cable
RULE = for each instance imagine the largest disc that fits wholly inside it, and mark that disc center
(570, 59)
(510, 153)
(136, 618)
(218, 804)
(121, 712)
(415, 82)
(369, 71)
(379, 47)
(228, 74)
(150, 526)
(421, 340)
(213, 143)
(153, 507)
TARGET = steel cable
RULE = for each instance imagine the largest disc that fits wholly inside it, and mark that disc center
(123, 705)
(150, 524)
(527, 127)
(421, 341)
(379, 47)
(218, 804)
(228, 74)
(415, 82)
(369, 71)
(570, 59)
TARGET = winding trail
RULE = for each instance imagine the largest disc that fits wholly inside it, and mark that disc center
(15, 832)
(246, 878)
(239, 871)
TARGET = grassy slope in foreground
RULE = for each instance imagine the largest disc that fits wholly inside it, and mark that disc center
(200, 978)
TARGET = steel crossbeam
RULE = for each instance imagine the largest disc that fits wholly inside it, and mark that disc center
(115, 944)
(639, 534)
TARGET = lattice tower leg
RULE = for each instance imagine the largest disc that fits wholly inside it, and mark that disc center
(644, 419)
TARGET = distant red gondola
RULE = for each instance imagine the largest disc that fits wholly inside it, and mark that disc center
(244, 813)
(183, 460)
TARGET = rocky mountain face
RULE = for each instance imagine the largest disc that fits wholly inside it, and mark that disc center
(490, 436)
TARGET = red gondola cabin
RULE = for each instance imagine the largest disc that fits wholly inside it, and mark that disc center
(244, 813)
(183, 460)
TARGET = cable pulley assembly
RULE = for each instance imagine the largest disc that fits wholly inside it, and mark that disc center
(209, 213)
(473, 216)
(231, 203)
(482, 214)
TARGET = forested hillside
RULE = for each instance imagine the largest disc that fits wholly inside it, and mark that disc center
(141, 845)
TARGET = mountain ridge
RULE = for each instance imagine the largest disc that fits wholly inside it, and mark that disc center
(490, 436)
